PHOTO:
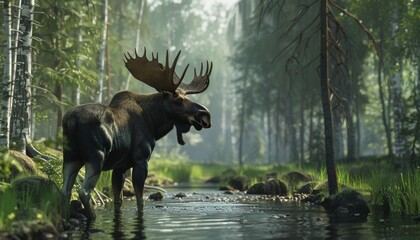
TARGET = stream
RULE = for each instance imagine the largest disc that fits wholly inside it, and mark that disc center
(211, 214)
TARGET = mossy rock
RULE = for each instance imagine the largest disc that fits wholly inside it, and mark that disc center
(349, 200)
(307, 188)
(214, 180)
(271, 175)
(274, 186)
(239, 183)
(37, 190)
(257, 188)
(295, 177)
(21, 164)
(36, 229)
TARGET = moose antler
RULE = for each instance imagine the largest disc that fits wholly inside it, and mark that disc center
(164, 78)
(153, 73)
(200, 82)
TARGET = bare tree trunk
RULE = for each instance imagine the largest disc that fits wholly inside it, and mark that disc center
(302, 130)
(311, 133)
(385, 121)
(326, 104)
(140, 16)
(20, 121)
(7, 93)
(278, 130)
(351, 134)
(290, 120)
(101, 68)
(401, 144)
(338, 136)
(242, 123)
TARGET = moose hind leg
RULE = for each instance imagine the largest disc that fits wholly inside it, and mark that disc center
(70, 171)
(93, 172)
(118, 178)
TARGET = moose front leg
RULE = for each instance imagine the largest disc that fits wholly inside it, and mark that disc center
(139, 177)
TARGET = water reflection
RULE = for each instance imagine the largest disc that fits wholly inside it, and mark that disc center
(139, 228)
(118, 232)
(179, 219)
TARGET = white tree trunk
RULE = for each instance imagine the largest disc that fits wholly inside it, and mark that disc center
(102, 53)
(21, 112)
(7, 93)
(15, 37)
(142, 3)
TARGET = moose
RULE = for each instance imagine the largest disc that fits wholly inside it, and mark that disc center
(123, 134)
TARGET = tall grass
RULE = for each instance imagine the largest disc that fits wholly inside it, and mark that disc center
(7, 207)
(29, 204)
(396, 192)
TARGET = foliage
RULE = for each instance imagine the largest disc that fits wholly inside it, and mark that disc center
(32, 204)
(398, 193)
(7, 164)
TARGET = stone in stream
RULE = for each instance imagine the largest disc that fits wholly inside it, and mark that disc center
(181, 195)
(239, 183)
(274, 186)
(258, 188)
(349, 199)
(156, 196)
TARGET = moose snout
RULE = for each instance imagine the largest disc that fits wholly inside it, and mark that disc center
(203, 117)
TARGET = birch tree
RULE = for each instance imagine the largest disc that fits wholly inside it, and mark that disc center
(101, 68)
(140, 16)
(21, 112)
(7, 93)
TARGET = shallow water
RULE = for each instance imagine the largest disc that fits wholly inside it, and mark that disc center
(210, 214)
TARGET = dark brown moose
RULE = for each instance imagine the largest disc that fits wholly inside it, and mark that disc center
(123, 134)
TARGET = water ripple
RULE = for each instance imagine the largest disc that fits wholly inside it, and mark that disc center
(184, 219)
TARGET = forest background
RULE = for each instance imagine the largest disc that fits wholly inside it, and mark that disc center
(264, 94)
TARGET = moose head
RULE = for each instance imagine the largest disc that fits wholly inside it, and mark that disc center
(184, 112)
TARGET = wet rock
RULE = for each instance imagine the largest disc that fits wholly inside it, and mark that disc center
(314, 198)
(239, 183)
(350, 199)
(214, 180)
(257, 188)
(230, 192)
(74, 222)
(274, 186)
(156, 196)
(181, 195)
(225, 177)
(75, 207)
(225, 188)
(307, 188)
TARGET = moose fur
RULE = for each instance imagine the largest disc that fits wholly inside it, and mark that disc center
(122, 136)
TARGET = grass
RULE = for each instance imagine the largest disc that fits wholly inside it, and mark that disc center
(29, 204)
(398, 193)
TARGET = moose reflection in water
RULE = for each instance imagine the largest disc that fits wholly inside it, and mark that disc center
(123, 134)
